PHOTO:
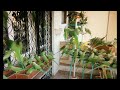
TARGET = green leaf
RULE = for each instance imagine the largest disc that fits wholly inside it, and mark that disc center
(41, 64)
(17, 47)
(106, 63)
(75, 53)
(92, 55)
(85, 19)
(7, 54)
(88, 31)
(82, 56)
(81, 31)
(71, 32)
(76, 39)
(44, 57)
(4, 77)
(50, 57)
(66, 33)
(65, 51)
(37, 58)
(77, 31)
(16, 69)
(30, 70)
(71, 52)
(114, 66)
(36, 66)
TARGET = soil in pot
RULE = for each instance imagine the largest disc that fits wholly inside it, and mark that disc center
(24, 75)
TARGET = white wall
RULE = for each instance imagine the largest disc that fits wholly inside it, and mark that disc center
(97, 22)
(56, 22)
(112, 29)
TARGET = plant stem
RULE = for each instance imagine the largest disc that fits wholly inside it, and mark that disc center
(74, 69)
(92, 71)
(82, 34)
(71, 67)
(83, 69)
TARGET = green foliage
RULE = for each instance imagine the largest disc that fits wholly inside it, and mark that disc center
(37, 58)
(30, 70)
(88, 31)
(4, 77)
(16, 49)
(97, 58)
(36, 66)
(97, 41)
(16, 69)
(7, 55)
(114, 65)
(44, 57)
(50, 56)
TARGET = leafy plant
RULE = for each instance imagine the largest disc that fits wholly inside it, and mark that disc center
(73, 45)
(97, 41)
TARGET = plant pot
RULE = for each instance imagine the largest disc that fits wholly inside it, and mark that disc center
(13, 76)
(73, 77)
(107, 48)
(23, 75)
(8, 73)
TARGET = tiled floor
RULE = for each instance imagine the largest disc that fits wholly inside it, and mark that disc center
(65, 75)
(61, 75)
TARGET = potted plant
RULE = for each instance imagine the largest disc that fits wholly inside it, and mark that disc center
(103, 62)
(22, 65)
(73, 45)
(92, 54)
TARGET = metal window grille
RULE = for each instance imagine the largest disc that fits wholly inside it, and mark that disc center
(32, 28)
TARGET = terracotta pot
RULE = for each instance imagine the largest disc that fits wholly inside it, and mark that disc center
(73, 77)
(33, 74)
(13, 76)
(7, 73)
(106, 48)
(23, 75)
